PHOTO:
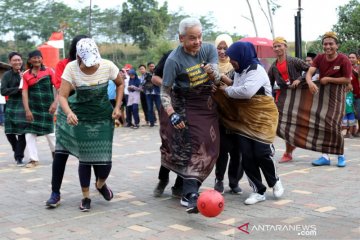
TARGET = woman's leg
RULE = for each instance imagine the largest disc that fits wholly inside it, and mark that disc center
(102, 172)
(85, 177)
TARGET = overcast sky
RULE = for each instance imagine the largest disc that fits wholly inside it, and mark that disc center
(318, 16)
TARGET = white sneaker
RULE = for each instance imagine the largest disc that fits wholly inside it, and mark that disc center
(278, 189)
(254, 198)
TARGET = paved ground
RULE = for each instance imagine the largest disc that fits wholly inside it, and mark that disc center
(319, 202)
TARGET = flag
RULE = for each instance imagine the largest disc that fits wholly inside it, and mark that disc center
(56, 40)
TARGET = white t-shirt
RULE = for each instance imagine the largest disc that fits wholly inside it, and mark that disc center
(106, 71)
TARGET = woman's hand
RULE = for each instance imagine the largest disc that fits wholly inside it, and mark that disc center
(72, 119)
(116, 114)
(29, 116)
(53, 107)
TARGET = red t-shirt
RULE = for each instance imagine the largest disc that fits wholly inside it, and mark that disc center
(339, 67)
(59, 69)
(31, 79)
(282, 68)
(355, 83)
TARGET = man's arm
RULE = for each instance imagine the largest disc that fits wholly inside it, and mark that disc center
(312, 86)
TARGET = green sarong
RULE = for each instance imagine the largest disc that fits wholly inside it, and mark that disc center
(15, 120)
(41, 96)
(91, 140)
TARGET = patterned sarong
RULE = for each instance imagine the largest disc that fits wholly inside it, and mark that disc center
(41, 96)
(191, 152)
(15, 120)
(91, 140)
(313, 121)
(255, 118)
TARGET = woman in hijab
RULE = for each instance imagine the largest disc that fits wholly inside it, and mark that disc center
(252, 85)
(228, 145)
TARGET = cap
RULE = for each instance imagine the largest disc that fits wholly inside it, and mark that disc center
(88, 52)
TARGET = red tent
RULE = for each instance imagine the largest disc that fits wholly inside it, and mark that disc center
(50, 55)
(263, 46)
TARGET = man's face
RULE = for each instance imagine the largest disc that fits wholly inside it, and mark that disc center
(151, 67)
(16, 62)
(309, 60)
(330, 46)
(279, 49)
(192, 40)
(142, 70)
(353, 58)
(36, 61)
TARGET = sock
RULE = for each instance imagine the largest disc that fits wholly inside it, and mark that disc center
(326, 156)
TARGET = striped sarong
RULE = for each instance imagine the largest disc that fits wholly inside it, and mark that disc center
(91, 140)
(313, 121)
(41, 96)
(15, 120)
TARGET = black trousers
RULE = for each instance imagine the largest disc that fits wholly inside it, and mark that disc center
(144, 106)
(258, 156)
(58, 169)
(229, 145)
(101, 172)
(18, 144)
(190, 186)
(164, 176)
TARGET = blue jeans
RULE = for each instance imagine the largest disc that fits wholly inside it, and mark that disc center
(152, 99)
(2, 114)
(133, 113)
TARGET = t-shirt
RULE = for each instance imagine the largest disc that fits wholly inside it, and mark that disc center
(159, 70)
(184, 71)
(59, 69)
(282, 68)
(339, 67)
(349, 102)
(355, 83)
(106, 71)
(30, 79)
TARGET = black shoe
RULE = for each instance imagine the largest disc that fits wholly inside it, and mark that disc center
(192, 207)
(219, 186)
(184, 201)
(176, 191)
(236, 190)
(105, 192)
(20, 163)
(85, 205)
(160, 187)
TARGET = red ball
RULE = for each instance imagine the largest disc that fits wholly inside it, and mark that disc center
(210, 203)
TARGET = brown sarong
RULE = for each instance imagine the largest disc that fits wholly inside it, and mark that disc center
(191, 152)
(255, 118)
(313, 121)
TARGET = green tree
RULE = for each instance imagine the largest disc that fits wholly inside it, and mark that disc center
(142, 20)
(348, 27)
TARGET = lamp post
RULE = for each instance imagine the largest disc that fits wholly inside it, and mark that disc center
(298, 48)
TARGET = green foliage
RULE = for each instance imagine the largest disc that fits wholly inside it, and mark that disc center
(143, 20)
(348, 27)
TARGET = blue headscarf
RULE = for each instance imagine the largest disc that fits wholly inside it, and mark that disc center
(244, 54)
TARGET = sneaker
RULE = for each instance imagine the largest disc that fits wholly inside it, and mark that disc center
(287, 157)
(341, 161)
(348, 135)
(236, 190)
(160, 187)
(184, 201)
(176, 192)
(20, 163)
(128, 125)
(278, 189)
(85, 205)
(32, 164)
(105, 192)
(254, 198)
(219, 186)
(192, 206)
(54, 200)
(136, 126)
(321, 162)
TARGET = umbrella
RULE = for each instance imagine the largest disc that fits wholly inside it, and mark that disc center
(263, 46)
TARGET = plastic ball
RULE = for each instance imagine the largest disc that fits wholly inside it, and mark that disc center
(210, 203)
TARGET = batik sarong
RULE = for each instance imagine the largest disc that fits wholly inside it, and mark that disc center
(41, 96)
(191, 152)
(313, 121)
(91, 140)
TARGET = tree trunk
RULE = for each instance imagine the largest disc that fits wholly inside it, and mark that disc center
(252, 18)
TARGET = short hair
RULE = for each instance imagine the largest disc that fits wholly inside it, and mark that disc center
(188, 23)
(142, 65)
(353, 53)
(149, 63)
(12, 54)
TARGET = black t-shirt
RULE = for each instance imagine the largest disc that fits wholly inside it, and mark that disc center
(159, 70)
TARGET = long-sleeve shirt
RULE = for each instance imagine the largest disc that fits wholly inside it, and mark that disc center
(10, 83)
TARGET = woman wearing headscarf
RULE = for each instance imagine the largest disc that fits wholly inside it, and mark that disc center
(251, 93)
(39, 104)
(15, 121)
(134, 97)
(85, 126)
(228, 140)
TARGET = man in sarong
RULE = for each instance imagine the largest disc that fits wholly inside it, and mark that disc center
(193, 135)
(15, 121)
(250, 111)
(334, 71)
